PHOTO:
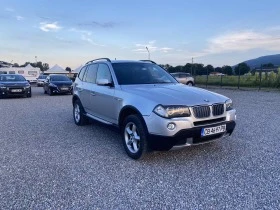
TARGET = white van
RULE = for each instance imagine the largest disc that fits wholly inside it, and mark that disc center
(30, 73)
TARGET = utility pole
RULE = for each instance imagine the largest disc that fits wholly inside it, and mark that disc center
(192, 67)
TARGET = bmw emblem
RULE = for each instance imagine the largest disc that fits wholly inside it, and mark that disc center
(206, 100)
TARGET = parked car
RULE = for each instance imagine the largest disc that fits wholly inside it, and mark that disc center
(152, 110)
(40, 80)
(184, 78)
(14, 85)
(57, 84)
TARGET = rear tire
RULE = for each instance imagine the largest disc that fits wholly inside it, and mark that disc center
(79, 114)
(134, 137)
(29, 95)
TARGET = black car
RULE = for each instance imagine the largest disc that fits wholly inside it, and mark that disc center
(57, 84)
(14, 85)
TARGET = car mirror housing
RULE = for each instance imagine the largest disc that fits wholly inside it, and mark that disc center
(103, 82)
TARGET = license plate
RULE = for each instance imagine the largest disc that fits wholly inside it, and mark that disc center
(64, 88)
(16, 90)
(213, 130)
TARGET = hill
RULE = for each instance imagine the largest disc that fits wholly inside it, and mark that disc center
(257, 62)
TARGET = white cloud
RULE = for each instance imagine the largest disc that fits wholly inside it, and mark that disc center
(141, 48)
(8, 9)
(19, 18)
(44, 26)
(242, 41)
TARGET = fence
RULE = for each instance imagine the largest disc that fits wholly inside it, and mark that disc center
(259, 80)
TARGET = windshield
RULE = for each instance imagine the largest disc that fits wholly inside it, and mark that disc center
(42, 77)
(12, 78)
(60, 78)
(141, 73)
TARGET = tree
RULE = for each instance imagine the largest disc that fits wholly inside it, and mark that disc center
(68, 69)
(15, 65)
(208, 69)
(219, 69)
(45, 67)
(241, 69)
(268, 65)
(227, 70)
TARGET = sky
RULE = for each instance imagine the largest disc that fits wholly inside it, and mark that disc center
(72, 32)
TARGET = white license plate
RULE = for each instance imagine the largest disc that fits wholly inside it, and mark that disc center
(64, 88)
(16, 90)
(213, 130)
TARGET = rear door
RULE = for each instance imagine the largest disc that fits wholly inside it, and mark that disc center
(87, 93)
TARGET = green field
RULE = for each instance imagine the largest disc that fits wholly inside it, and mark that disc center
(268, 80)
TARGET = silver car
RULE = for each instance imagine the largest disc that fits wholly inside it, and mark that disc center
(184, 78)
(152, 110)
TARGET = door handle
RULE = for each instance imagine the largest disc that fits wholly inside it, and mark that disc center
(93, 93)
(80, 89)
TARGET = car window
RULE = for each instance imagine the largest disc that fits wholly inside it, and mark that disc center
(59, 78)
(82, 72)
(90, 75)
(104, 72)
(182, 76)
(141, 73)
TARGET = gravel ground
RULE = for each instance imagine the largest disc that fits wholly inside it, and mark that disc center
(47, 162)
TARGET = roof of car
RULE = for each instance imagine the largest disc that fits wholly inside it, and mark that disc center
(119, 61)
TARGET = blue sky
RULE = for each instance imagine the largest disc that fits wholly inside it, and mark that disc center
(69, 33)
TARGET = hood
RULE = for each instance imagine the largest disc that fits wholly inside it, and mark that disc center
(175, 94)
(11, 84)
(59, 83)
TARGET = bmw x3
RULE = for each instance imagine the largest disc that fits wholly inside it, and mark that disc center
(152, 110)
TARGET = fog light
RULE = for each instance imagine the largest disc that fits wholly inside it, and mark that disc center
(171, 126)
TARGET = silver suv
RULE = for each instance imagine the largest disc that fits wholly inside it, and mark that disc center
(152, 110)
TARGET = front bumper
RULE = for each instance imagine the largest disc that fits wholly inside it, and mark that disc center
(188, 137)
(61, 89)
(7, 92)
(187, 130)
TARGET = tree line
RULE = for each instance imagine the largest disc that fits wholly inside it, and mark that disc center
(200, 69)
(43, 66)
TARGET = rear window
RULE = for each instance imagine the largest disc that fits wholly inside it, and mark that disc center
(42, 77)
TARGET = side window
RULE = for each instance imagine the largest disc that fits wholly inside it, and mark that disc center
(182, 76)
(82, 72)
(104, 72)
(91, 73)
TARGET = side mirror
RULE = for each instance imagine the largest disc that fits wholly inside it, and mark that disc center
(103, 82)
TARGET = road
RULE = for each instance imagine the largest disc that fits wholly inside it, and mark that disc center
(47, 162)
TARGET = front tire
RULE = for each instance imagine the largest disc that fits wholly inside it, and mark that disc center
(50, 92)
(134, 137)
(79, 114)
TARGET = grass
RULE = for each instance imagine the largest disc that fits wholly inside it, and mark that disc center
(272, 80)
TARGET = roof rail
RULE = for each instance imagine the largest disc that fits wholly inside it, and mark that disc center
(149, 61)
(107, 59)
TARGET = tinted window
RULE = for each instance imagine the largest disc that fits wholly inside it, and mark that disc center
(104, 72)
(81, 73)
(33, 73)
(42, 77)
(91, 73)
(11, 78)
(141, 73)
(59, 78)
(12, 72)
(21, 72)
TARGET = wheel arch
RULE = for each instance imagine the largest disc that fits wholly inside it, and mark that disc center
(130, 110)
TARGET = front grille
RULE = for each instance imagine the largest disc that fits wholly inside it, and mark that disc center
(201, 111)
(218, 109)
(207, 122)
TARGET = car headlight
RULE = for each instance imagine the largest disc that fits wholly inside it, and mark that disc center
(229, 105)
(172, 111)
